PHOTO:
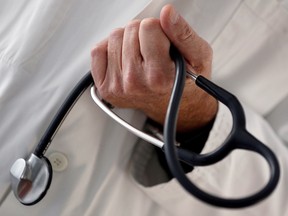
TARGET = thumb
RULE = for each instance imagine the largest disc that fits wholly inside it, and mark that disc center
(196, 51)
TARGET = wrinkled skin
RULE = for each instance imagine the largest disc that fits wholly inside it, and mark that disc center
(132, 68)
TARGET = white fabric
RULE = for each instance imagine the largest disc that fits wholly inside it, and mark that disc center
(239, 174)
(44, 50)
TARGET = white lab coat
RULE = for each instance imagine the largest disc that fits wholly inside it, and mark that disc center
(45, 49)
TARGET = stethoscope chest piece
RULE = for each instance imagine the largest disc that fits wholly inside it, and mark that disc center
(30, 179)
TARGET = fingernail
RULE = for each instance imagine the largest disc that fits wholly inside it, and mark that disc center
(174, 16)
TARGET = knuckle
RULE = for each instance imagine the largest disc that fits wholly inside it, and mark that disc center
(149, 23)
(165, 81)
(116, 89)
(187, 34)
(129, 88)
(97, 50)
(130, 83)
(133, 25)
(116, 33)
(156, 80)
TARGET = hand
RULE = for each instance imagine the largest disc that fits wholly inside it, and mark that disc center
(132, 68)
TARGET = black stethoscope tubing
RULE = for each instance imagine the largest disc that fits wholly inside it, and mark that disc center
(239, 138)
(63, 111)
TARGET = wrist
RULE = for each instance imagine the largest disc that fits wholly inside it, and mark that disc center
(197, 111)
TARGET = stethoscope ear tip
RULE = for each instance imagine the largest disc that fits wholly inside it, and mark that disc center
(30, 179)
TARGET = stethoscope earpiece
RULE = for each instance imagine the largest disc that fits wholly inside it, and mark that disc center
(31, 179)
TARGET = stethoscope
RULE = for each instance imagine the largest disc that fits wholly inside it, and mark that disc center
(31, 178)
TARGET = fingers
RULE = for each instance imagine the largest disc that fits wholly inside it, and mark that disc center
(106, 64)
(113, 74)
(145, 49)
(132, 67)
(99, 62)
(131, 58)
(154, 47)
(131, 47)
(198, 55)
(150, 35)
(195, 50)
